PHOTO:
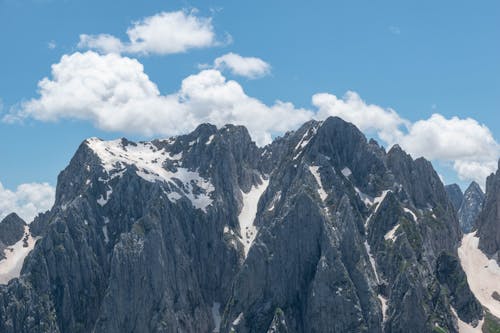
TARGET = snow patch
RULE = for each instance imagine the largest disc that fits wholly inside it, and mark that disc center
(372, 260)
(276, 199)
(412, 214)
(367, 200)
(378, 200)
(321, 191)
(216, 316)
(149, 160)
(482, 273)
(248, 213)
(346, 172)
(105, 233)
(238, 319)
(304, 141)
(391, 234)
(383, 302)
(102, 201)
(11, 266)
(210, 139)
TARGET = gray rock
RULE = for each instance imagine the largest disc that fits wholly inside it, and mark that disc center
(488, 221)
(455, 194)
(342, 226)
(471, 207)
(11, 231)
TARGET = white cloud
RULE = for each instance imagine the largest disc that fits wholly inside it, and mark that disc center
(370, 118)
(27, 200)
(249, 67)
(469, 145)
(115, 94)
(163, 33)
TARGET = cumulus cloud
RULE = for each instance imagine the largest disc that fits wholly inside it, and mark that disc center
(370, 118)
(467, 144)
(250, 67)
(114, 93)
(27, 200)
(163, 33)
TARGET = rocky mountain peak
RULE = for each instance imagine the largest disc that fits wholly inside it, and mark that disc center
(471, 206)
(11, 229)
(455, 194)
(488, 222)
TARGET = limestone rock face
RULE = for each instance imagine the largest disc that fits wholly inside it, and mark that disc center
(488, 222)
(471, 207)
(320, 231)
(11, 231)
(455, 194)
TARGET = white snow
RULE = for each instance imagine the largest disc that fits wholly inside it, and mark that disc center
(247, 215)
(321, 191)
(11, 266)
(216, 316)
(105, 233)
(412, 214)
(391, 234)
(372, 260)
(174, 196)
(482, 273)
(367, 200)
(346, 172)
(210, 139)
(277, 197)
(238, 319)
(305, 140)
(149, 160)
(464, 327)
(383, 302)
(378, 200)
(102, 201)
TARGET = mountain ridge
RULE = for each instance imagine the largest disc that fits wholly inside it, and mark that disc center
(346, 238)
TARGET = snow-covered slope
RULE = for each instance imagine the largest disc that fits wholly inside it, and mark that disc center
(11, 266)
(483, 274)
(149, 160)
(248, 212)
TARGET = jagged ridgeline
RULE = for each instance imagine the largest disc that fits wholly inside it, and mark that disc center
(320, 231)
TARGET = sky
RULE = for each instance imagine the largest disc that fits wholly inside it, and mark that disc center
(425, 75)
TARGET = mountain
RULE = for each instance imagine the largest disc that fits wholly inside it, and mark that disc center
(11, 231)
(320, 231)
(455, 194)
(471, 207)
(488, 223)
(479, 250)
(15, 244)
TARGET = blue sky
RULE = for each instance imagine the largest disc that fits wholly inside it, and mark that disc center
(416, 58)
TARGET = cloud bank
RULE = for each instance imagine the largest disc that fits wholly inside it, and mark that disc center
(114, 93)
(27, 200)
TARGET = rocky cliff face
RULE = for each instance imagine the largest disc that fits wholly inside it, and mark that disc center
(488, 223)
(11, 231)
(471, 207)
(321, 231)
(455, 194)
